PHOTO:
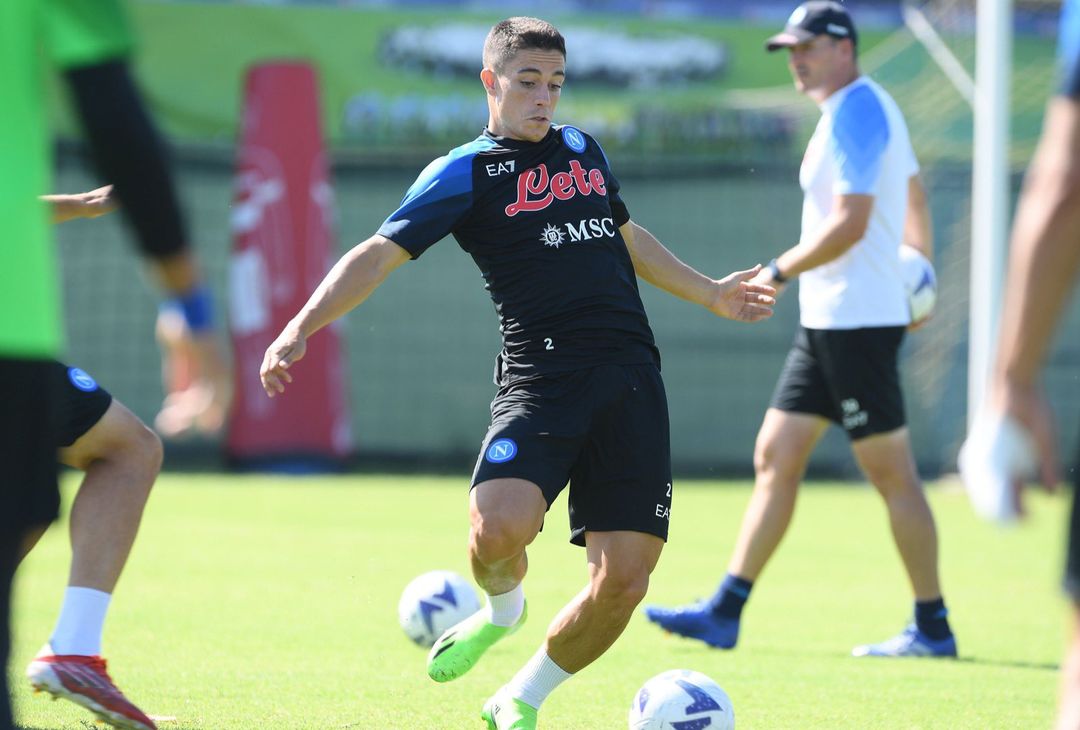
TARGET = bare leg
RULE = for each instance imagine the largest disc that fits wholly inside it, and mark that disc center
(783, 447)
(887, 461)
(1069, 698)
(505, 516)
(121, 458)
(619, 567)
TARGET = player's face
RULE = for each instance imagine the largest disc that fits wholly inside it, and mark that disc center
(522, 96)
(816, 65)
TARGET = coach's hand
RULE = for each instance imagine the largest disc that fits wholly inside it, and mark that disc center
(738, 297)
(289, 347)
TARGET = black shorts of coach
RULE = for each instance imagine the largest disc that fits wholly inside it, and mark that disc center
(850, 377)
(602, 429)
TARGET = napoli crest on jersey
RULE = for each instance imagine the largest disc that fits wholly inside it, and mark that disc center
(501, 450)
(82, 380)
(574, 139)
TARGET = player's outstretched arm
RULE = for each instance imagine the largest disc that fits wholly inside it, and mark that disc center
(1013, 439)
(734, 296)
(91, 204)
(351, 281)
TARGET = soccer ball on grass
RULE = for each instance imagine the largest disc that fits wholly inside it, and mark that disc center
(681, 699)
(432, 603)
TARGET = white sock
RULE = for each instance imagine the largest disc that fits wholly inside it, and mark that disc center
(537, 679)
(81, 622)
(505, 609)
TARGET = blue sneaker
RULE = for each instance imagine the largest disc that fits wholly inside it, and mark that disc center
(910, 642)
(696, 621)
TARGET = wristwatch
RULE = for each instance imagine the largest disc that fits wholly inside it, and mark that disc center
(775, 271)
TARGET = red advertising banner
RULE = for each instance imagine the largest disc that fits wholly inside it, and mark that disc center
(282, 247)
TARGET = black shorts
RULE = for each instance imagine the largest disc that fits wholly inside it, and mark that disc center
(847, 376)
(603, 429)
(82, 402)
(29, 496)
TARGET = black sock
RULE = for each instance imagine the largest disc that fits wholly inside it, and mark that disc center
(730, 597)
(931, 619)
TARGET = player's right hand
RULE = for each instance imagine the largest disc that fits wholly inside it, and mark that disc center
(289, 347)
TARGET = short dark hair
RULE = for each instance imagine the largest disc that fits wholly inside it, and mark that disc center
(516, 34)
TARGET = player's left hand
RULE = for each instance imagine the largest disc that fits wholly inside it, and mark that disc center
(738, 296)
(1010, 444)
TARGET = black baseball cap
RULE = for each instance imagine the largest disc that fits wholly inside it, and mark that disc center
(811, 19)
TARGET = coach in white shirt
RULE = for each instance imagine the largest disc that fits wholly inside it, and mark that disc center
(862, 201)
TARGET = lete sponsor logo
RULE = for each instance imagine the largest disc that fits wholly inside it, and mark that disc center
(537, 189)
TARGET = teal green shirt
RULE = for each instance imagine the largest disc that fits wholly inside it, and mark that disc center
(34, 36)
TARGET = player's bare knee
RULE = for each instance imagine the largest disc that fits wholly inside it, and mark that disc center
(494, 539)
(621, 587)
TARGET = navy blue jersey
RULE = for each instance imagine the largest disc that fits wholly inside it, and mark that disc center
(541, 220)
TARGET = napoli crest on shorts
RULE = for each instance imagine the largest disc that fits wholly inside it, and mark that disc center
(82, 380)
(574, 139)
(501, 450)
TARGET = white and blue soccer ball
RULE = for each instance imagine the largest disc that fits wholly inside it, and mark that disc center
(433, 602)
(681, 699)
(919, 281)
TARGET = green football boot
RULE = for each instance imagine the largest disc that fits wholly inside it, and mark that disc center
(503, 712)
(461, 646)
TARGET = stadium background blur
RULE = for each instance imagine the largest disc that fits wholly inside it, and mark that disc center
(702, 127)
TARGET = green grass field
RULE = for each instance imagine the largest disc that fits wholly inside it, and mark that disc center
(259, 603)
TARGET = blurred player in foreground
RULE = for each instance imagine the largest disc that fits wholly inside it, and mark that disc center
(120, 458)
(862, 201)
(580, 396)
(89, 41)
(1012, 440)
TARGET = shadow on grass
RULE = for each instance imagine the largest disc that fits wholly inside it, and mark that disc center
(1043, 666)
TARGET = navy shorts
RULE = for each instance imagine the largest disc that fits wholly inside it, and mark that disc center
(847, 376)
(29, 496)
(82, 402)
(602, 429)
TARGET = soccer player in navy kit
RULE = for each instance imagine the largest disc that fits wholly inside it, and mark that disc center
(580, 396)
(1013, 436)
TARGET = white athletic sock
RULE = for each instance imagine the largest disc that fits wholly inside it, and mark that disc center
(505, 609)
(81, 622)
(537, 679)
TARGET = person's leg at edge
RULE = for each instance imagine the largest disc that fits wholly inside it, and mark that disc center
(9, 548)
(889, 464)
(1069, 693)
(784, 444)
(620, 563)
(505, 516)
(120, 458)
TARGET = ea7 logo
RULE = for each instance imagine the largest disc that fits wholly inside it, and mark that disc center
(499, 168)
